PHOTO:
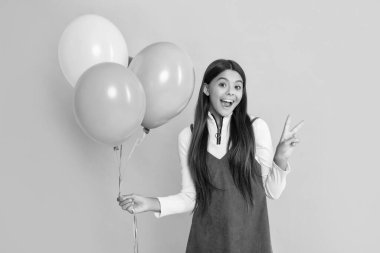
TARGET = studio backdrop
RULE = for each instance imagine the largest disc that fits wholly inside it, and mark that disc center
(315, 60)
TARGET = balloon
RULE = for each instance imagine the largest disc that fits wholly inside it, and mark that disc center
(88, 40)
(167, 75)
(109, 103)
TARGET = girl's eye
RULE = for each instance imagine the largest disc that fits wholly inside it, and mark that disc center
(238, 87)
(222, 84)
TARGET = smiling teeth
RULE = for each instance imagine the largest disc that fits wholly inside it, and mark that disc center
(227, 102)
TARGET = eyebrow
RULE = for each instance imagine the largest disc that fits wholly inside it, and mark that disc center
(222, 78)
(240, 81)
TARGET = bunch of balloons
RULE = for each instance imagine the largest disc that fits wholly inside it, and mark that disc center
(112, 98)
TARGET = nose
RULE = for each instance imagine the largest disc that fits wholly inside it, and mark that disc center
(230, 90)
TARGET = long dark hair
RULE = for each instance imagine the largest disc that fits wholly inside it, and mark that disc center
(241, 156)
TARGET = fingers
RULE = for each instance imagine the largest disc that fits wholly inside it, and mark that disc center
(287, 132)
(129, 207)
(297, 127)
(293, 141)
(127, 202)
(124, 197)
(286, 127)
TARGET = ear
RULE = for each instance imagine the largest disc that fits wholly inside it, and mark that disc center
(205, 89)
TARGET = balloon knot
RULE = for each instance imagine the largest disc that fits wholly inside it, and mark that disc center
(146, 130)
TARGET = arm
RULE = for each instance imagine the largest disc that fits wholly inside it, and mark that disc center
(184, 201)
(274, 177)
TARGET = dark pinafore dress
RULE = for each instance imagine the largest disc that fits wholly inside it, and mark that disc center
(229, 225)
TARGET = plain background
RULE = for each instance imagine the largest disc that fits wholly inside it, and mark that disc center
(315, 60)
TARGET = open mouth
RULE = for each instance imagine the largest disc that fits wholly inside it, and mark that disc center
(227, 102)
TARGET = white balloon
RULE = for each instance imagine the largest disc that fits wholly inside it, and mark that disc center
(89, 40)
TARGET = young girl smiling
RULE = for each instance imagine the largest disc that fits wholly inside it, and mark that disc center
(229, 167)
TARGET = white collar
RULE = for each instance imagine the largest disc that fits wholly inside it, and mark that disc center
(225, 119)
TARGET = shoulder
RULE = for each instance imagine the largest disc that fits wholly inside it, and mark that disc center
(184, 137)
(259, 125)
(262, 134)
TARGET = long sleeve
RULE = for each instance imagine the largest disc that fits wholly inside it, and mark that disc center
(274, 178)
(184, 201)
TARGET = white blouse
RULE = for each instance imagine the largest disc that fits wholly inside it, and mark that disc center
(274, 178)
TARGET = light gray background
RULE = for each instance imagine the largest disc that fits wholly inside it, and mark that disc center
(315, 60)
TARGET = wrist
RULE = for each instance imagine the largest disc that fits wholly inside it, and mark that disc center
(281, 162)
(155, 205)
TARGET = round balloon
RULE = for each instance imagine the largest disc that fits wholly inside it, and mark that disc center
(167, 75)
(88, 40)
(109, 103)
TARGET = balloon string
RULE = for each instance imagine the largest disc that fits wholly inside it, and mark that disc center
(137, 142)
(120, 166)
(121, 176)
(119, 162)
(120, 155)
(136, 245)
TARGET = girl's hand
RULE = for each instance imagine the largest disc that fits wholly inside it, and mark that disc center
(288, 142)
(138, 204)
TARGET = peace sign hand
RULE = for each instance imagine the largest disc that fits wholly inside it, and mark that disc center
(288, 142)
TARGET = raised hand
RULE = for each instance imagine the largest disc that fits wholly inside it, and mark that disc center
(288, 142)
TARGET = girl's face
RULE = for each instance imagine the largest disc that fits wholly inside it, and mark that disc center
(225, 92)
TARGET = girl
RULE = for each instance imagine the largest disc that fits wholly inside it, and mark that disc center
(228, 169)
